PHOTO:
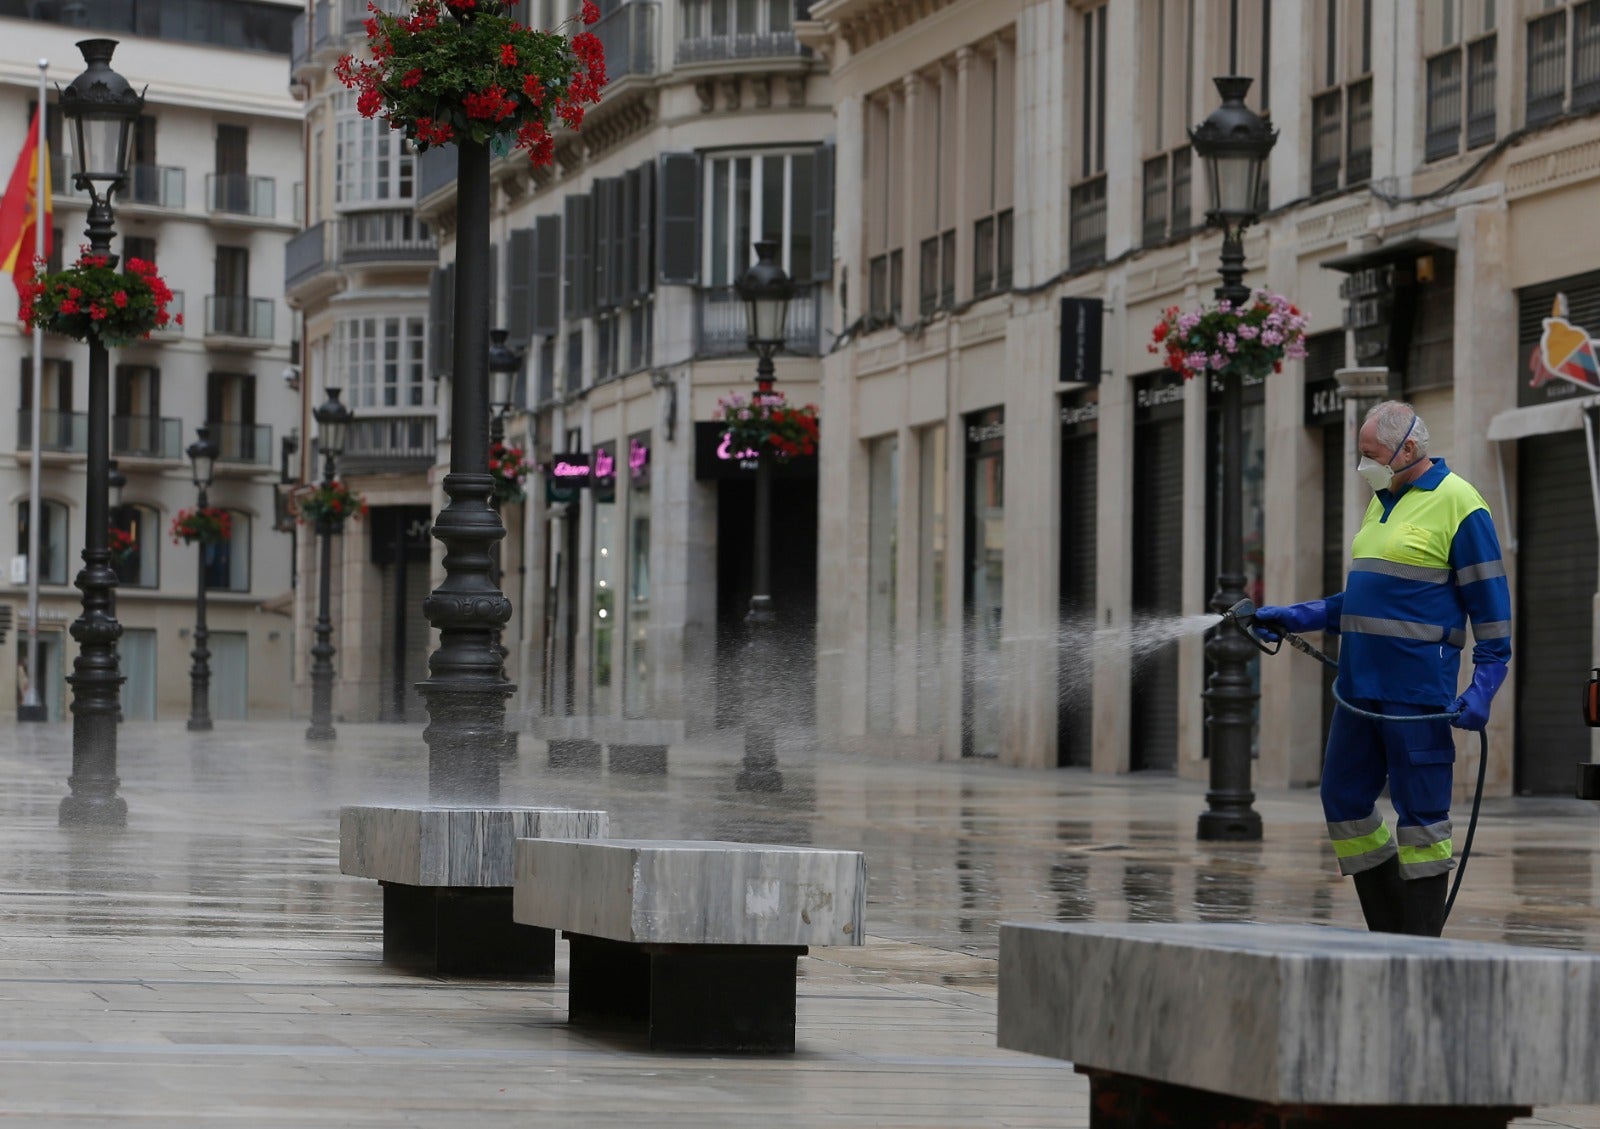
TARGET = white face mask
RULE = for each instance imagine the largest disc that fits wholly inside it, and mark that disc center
(1380, 476)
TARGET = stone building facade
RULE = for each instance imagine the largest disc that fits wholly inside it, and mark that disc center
(1007, 539)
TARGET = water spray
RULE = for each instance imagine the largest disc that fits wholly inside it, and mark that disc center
(1269, 642)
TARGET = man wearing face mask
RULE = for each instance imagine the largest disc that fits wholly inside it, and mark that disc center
(1424, 562)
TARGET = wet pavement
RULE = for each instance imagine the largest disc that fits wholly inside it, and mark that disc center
(210, 965)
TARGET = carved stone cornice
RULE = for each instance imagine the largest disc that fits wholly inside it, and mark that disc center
(863, 23)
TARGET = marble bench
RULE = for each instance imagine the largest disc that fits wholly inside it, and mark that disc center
(446, 873)
(697, 941)
(1277, 1026)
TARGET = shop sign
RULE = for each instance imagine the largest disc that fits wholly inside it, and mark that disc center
(1565, 352)
(1157, 396)
(715, 457)
(571, 469)
(604, 478)
(1082, 332)
(1080, 412)
(638, 460)
(1323, 405)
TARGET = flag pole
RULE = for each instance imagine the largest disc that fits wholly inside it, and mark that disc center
(32, 708)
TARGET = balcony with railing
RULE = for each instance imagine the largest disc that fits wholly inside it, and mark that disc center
(324, 27)
(629, 38)
(174, 326)
(382, 444)
(299, 44)
(147, 437)
(308, 254)
(243, 443)
(436, 169)
(59, 432)
(1087, 242)
(355, 14)
(393, 235)
(720, 322)
(156, 186)
(721, 31)
(239, 194)
(239, 318)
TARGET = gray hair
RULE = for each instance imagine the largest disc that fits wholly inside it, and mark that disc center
(1395, 418)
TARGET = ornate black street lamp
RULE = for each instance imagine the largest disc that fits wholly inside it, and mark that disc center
(1233, 142)
(100, 108)
(333, 424)
(203, 454)
(504, 364)
(465, 691)
(766, 291)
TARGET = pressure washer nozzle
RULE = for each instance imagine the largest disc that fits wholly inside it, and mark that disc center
(1242, 613)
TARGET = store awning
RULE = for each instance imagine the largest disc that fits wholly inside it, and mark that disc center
(1541, 419)
(1401, 250)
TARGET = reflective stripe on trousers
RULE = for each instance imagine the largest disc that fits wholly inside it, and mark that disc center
(1361, 844)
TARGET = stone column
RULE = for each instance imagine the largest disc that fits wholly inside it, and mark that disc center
(1113, 549)
(910, 192)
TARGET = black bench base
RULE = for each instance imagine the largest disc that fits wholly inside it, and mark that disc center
(638, 760)
(688, 997)
(1121, 1101)
(454, 931)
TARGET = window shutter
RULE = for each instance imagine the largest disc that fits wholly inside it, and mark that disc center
(679, 260)
(63, 383)
(629, 239)
(617, 221)
(600, 210)
(546, 277)
(822, 215)
(586, 263)
(494, 284)
(519, 285)
(572, 293)
(644, 221)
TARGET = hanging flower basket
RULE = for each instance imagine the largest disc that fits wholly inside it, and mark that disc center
(210, 526)
(1256, 337)
(335, 502)
(121, 544)
(510, 468)
(767, 422)
(463, 68)
(91, 297)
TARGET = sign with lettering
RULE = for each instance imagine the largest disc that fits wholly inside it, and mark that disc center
(715, 457)
(638, 461)
(603, 480)
(1082, 332)
(1323, 406)
(573, 469)
(986, 432)
(1080, 412)
(1157, 396)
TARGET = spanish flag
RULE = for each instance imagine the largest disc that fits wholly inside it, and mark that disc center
(17, 208)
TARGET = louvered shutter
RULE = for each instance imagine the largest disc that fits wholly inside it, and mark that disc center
(644, 221)
(546, 277)
(679, 258)
(519, 285)
(822, 215)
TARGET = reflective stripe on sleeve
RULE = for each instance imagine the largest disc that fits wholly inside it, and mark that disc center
(1486, 570)
(1494, 629)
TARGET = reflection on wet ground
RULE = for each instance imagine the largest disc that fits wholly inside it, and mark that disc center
(227, 881)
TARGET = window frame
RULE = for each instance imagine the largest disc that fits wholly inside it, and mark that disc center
(46, 506)
(373, 166)
(147, 541)
(793, 228)
(372, 333)
(241, 521)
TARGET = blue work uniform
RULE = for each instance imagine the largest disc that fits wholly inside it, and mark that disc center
(1425, 561)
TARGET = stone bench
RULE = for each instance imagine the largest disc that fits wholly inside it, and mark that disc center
(636, 760)
(1276, 1026)
(697, 941)
(446, 872)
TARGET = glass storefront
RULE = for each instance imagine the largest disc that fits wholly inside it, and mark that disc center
(602, 629)
(932, 506)
(883, 507)
(985, 583)
(636, 674)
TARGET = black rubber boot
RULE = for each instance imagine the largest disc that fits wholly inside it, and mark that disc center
(1380, 891)
(1423, 899)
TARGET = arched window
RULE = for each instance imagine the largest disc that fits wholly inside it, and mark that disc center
(136, 560)
(52, 539)
(228, 563)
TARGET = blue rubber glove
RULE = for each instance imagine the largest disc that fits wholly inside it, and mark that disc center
(1272, 621)
(1474, 704)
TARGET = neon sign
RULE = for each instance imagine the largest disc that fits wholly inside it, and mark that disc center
(726, 452)
(638, 458)
(574, 468)
(605, 464)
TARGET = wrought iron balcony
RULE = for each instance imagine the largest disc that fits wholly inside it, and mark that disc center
(247, 318)
(58, 431)
(239, 194)
(388, 236)
(629, 38)
(737, 46)
(436, 169)
(147, 437)
(243, 442)
(307, 254)
(378, 444)
(720, 322)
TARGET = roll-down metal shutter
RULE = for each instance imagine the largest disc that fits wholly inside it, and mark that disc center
(1079, 455)
(1553, 644)
(1157, 588)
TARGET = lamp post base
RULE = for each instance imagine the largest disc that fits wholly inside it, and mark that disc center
(758, 772)
(85, 811)
(33, 713)
(200, 725)
(1230, 827)
(316, 732)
